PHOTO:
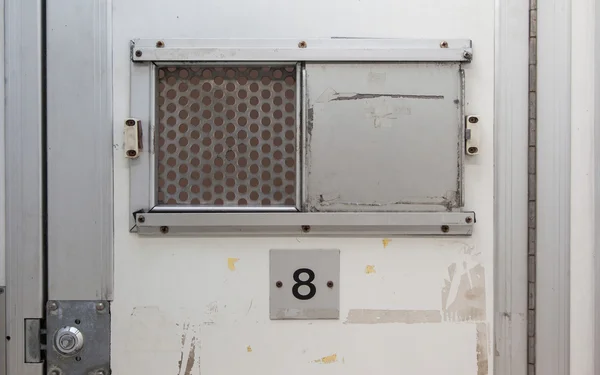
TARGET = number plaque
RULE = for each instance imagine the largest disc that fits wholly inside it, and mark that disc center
(304, 284)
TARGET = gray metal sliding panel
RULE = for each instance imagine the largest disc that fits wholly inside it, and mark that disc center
(23, 155)
(80, 149)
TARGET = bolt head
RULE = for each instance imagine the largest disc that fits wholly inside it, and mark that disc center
(100, 306)
(52, 306)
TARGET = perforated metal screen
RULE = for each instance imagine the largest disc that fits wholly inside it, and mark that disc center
(227, 136)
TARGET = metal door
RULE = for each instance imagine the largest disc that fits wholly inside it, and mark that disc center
(178, 301)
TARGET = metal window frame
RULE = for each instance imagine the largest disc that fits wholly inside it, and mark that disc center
(149, 218)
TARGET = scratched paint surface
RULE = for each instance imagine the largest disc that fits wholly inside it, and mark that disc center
(200, 306)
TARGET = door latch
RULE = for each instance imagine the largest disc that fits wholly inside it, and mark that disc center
(133, 138)
(472, 135)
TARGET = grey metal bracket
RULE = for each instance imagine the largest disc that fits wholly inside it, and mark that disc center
(319, 49)
(357, 224)
(78, 337)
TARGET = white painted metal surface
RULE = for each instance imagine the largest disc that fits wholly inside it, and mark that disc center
(554, 90)
(584, 206)
(191, 306)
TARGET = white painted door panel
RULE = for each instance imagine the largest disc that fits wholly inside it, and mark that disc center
(192, 306)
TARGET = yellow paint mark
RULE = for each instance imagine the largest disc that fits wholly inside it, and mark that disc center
(249, 349)
(386, 242)
(370, 269)
(327, 360)
(231, 263)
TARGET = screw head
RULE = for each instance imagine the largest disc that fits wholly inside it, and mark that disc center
(138, 53)
(100, 372)
(302, 44)
(473, 120)
(164, 230)
(306, 228)
(54, 372)
(52, 306)
(130, 122)
(330, 284)
(100, 306)
(467, 55)
(160, 44)
(131, 153)
(279, 284)
(141, 219)
(469, 220)
(443, 44)
(472, 150)
(445, 229)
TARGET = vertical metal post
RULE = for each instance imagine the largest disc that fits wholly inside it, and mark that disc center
(553, 212)
(510, 209)
(80, 198)
(24, 175)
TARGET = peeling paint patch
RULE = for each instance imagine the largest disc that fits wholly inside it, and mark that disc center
(188, 346)
(482, 349)
(370, 269)
(386, 242)
(327, 360)
(231, 263)
(249, 349)
(393, 316)
(463, 293)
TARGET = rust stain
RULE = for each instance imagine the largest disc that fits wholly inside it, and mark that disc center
(370, 269)
(393, 316)
(482, 349)
(249, 349)
(231, 263)
(327, 360)
(386, 242)
(191, 357)
(463, 295)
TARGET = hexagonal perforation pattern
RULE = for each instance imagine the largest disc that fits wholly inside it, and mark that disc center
(227, 135)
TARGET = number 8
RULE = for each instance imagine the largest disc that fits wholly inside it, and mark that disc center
(299, 283)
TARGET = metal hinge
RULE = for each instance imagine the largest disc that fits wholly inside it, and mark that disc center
(35, 337)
